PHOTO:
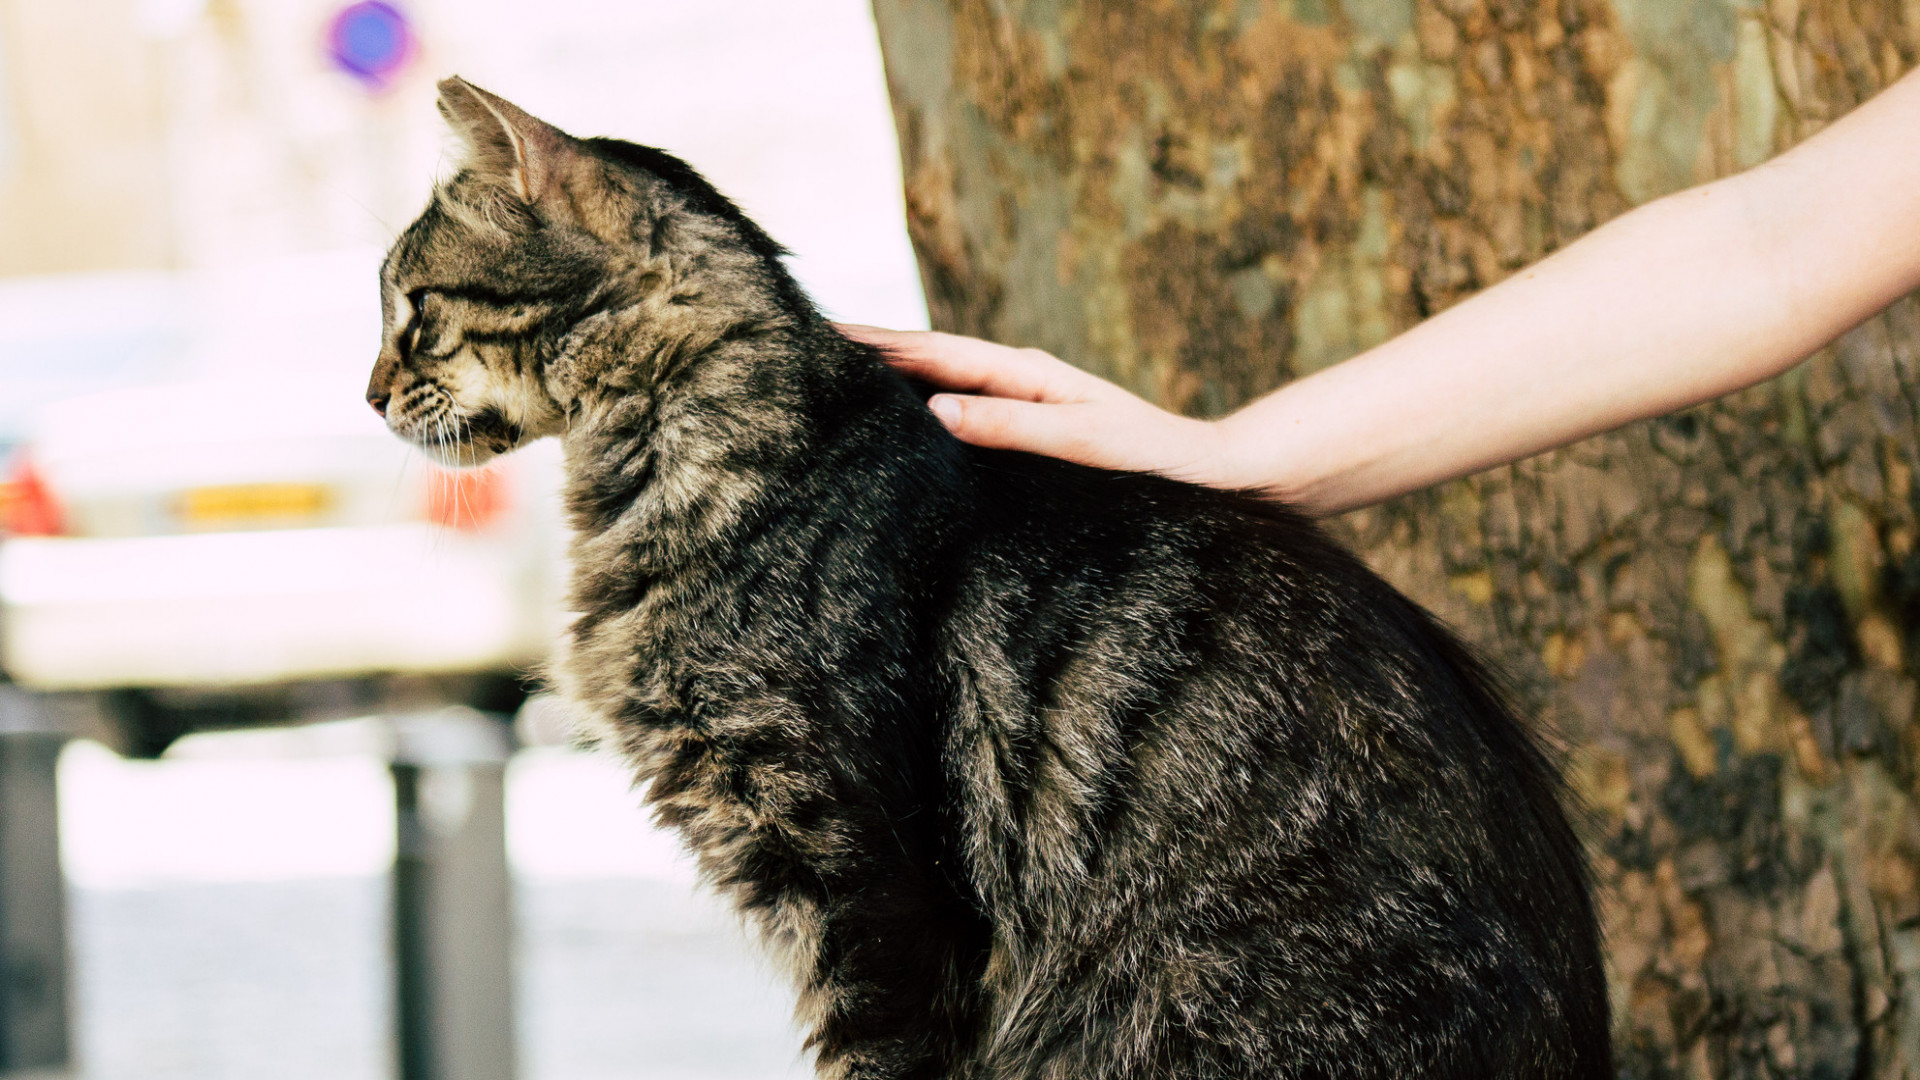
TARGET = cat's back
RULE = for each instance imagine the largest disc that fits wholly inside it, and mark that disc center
(1251, 801)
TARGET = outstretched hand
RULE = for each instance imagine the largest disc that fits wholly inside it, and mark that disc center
(1679, 301)
(1026, 399)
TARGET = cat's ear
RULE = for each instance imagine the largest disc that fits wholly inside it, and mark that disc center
(528, 154)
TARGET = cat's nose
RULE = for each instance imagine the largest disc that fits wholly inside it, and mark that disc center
(380, 384)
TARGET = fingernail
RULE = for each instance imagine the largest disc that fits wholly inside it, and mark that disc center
(946, 408)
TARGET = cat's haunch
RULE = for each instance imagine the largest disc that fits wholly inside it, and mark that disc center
(1022, 769)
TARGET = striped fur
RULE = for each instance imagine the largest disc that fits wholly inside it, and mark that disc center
(1020, 769)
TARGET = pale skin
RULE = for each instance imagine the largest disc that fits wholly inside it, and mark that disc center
(1689, 297)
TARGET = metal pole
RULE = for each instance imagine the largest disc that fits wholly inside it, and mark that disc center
(34, 1022)
(452, 899)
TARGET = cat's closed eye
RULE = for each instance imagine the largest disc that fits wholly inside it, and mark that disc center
(410, 336)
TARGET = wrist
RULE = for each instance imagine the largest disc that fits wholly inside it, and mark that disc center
(1235, 460)
(1276, 455)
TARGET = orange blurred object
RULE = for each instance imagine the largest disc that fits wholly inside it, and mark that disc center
(27, 508)
(465, 499)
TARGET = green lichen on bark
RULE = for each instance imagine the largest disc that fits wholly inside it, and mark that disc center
(1720, 610)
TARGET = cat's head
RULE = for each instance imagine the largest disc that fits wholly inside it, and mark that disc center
(538, 243)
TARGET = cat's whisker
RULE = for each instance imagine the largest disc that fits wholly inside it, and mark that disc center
(461, 441)
(449, 483)
(384, 224)
(399, 479)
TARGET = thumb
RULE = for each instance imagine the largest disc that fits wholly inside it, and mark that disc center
(1061, 431)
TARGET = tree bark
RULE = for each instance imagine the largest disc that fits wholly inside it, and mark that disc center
(1718, 610)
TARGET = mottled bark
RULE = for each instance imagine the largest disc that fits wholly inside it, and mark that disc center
(1718, 609)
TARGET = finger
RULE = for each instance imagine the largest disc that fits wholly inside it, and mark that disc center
(921, 344)
(967, 364)
(1062, 431)
(973, 366)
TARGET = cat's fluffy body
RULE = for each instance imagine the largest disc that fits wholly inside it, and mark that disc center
(1023, 769)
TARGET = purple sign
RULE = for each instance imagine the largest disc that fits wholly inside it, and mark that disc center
(371, 41)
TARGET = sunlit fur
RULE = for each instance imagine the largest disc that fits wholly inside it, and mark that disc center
(1020, 769)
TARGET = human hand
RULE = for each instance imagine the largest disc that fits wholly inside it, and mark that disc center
(1026, 399)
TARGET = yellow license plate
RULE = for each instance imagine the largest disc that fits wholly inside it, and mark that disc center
(254, 504)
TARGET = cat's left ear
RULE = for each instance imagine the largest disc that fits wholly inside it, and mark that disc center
(528, 154)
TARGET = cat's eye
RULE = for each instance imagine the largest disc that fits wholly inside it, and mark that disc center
(417, 304)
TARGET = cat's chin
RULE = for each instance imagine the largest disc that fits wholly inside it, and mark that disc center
(470, 455)
(485, 437)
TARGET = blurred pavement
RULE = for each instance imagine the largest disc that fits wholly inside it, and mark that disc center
(229, 922)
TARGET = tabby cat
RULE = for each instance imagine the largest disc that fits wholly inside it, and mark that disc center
(1022, 769)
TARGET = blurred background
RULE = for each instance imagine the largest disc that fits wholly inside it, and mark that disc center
(226, 593)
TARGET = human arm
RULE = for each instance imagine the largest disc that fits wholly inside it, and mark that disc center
(1680, 301)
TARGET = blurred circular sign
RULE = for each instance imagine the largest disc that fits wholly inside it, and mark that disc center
(372, 41)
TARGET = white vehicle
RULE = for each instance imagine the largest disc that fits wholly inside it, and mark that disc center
(203, 525)
(244, 548)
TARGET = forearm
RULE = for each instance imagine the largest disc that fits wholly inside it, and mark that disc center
(1680, 301)
(1625, 323)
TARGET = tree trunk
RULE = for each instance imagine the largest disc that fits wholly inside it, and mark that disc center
(1717, 609)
